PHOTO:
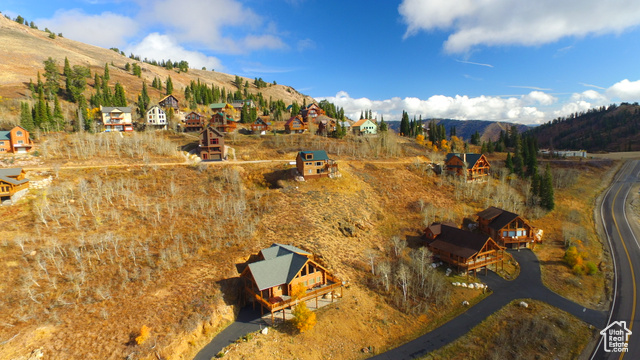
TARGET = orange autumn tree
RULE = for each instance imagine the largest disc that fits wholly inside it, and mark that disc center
(303, 318)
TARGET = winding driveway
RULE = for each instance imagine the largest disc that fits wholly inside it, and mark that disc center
(528, 285)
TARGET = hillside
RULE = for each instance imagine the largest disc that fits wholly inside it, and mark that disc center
(613, 128)
(24, 50)
(488, 130)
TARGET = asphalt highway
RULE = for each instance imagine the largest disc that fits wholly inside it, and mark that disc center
(625, 251)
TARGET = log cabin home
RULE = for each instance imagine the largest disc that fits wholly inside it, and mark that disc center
(223, 122)
(211, 144)
(261, 124)
(169, 101)
(271, 277)
(156, 118)
(315, 164)
(311, 112)
(295, 125)
(508, 229)
(364, 127)
(116, 118)
(194, 121)
(476, 165)
(326, 125)
(239, 104)
(15, 141)
(467, 251)
(13, 185)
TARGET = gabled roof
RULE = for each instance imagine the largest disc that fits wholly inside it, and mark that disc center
(317, 155)
(8, 174)
(280, 266)
(457, 241)
(499, 218)
(471, 158)
(168, 96)
(5, 135)
(292, 119)
(155, 106)
(276, 250)
(362, 122)
(213, 129)
(109, 109)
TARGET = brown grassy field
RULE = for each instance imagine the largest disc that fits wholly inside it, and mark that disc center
(108, 249)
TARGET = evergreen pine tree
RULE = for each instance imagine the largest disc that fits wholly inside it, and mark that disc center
(106, 72)
(67, 67)
(404, 124)
(26, 119)
(383, 125)
(547, 200)
(509, 163)
(169, 86)
(41, 110)
(120, 98)
(57, 123)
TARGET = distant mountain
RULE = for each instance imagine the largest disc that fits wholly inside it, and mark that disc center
(488, 130)
(613, 128)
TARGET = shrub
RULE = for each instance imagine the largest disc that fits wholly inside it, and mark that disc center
(578, 269)
(592, 269)
(303, 318)
(571, 257)
(144, 335)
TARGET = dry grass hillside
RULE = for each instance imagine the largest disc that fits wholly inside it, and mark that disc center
(105, 250)
(24, 50)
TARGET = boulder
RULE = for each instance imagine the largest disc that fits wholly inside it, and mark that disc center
(524, 304)
(465, 303)
(264, 331)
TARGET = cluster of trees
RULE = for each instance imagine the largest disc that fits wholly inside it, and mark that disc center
(259, 83)
(331, 110)
(22, 21)
(410, 128)
(182, 65)
(406, 278)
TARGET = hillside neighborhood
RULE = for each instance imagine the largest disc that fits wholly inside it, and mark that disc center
(211, 215)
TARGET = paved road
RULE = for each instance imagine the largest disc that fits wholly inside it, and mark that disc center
(528, 285)
(626, 256)
(248, 321)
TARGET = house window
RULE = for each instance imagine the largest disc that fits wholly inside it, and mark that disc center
(18, 133)
(279, 287)
(20, 142)
(319, 279)
(309, 156)
(318, 163)
(505, 233)
(312, 281)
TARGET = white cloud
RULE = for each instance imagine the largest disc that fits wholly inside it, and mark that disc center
(106, 29)
(625, 90)
(513, 109)
(212, 23)
(517, 22)
(163, 47)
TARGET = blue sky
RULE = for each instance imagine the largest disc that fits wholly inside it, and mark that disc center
(513, 60)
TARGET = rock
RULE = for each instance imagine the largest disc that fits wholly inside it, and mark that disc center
(524, 304)
(365, 350)
(36, 354)
(471, 286)
(465, 303)
(264, 331)
(33, 253)
(464, 285)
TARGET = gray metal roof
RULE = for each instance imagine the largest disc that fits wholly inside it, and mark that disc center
(5, 135)
(278, 270)
(5, 175)
(276, 250)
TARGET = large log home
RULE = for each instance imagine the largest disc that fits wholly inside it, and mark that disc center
(13, 184)
(315, 164)
(194, 121)
(169, 101)
(211, 144)
(465, 250)
(295, 125)
(271, 278)
(476, 165)
(15, 140)
(261, 124)
(508, 229)
(223, 122)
